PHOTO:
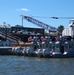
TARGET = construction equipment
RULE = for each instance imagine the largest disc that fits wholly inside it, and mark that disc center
(62, 17)
(39, 23)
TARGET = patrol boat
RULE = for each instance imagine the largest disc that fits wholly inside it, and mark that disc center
(50, 49)
(63, 50)
(29, 51)
(43, 50)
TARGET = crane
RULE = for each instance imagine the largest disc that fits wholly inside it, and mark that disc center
(54, 17)
(39, 23)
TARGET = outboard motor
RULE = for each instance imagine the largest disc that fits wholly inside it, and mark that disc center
(57, 46)
(51, 46)
(69, 48)
(38, 49)
(46, 50)
(57, 52)
(66, 46)
(39, 52)
(30, 50)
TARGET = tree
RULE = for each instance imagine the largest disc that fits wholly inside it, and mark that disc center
(18, 25)
(60, 29)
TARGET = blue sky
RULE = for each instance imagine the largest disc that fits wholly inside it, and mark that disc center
(10, 11)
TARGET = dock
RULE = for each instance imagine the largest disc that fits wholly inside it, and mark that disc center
(5, 50)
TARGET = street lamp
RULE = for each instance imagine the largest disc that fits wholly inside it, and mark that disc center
(4, 23)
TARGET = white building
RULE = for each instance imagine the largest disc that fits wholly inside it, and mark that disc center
(69, 31)
(5, 27)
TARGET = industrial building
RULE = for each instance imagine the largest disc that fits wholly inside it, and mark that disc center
(18, 32)
(24, 32)
(70, 30)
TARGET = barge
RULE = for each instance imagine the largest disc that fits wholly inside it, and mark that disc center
(6, 51)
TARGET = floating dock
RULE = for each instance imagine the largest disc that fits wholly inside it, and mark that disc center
(6, 51)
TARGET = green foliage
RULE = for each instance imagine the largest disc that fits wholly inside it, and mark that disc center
(18, 25)
(60, 29)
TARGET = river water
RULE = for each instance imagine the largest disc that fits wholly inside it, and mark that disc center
(20, 65)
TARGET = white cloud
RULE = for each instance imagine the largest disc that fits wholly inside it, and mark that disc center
(22, 9)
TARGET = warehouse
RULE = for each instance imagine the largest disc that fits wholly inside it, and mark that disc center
(70, 30)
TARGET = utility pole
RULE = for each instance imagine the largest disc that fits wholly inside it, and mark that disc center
(22, 21)
(4, 23)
